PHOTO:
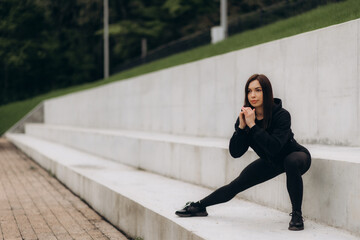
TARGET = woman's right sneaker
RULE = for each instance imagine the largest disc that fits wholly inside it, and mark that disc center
(192, 209)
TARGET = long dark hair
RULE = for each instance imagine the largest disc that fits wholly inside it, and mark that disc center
(268, 99)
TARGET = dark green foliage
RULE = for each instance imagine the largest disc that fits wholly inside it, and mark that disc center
(45, 45)
(158, 21)
(22, 26)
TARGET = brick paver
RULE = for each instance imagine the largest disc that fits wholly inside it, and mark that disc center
(35, 205)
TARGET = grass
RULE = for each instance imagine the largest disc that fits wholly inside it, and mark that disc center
(320, 17)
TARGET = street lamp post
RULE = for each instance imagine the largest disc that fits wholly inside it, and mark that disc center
(219, 33)
(106, 39)
(223, 17)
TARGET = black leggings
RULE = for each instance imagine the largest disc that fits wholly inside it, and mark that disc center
(295, 165)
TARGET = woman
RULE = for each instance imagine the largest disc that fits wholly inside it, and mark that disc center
(264, 126)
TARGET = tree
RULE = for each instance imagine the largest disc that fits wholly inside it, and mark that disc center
(158, 21)
(22, 48)
(46, 44)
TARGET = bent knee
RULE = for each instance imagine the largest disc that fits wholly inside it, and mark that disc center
(297, 162)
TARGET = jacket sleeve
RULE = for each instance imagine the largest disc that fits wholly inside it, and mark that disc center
(272, 144)
(239, 142)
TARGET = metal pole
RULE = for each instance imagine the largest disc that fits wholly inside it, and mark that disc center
(106, 39)
(143, 47)
(223, 16)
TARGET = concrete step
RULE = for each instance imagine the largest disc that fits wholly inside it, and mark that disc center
(331, 195)
(143, 204)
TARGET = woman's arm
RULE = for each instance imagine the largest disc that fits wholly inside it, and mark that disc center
(272, 144)
(239, 142)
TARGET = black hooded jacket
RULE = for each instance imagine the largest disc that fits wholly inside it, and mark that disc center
(273, 143)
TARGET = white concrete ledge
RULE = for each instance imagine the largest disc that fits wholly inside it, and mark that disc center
(331, 194)
(142, 204)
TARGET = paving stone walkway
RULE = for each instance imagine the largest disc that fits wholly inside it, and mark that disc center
(34, 205)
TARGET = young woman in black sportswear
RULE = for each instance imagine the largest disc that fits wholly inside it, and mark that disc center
(264, 126)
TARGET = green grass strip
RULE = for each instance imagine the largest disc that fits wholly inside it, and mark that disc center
(320, 17)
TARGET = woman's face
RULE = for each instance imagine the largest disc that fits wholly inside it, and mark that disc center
(255, 94)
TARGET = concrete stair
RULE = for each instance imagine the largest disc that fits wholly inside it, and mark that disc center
(143, 203)
(331, 194)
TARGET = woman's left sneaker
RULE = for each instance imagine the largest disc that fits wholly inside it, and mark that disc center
(297, 222)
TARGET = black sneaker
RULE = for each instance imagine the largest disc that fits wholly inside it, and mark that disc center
(297, 222)
(192, 209)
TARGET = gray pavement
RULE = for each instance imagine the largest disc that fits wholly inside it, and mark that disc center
(34, 205)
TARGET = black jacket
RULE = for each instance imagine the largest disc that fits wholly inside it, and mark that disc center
(272, 144)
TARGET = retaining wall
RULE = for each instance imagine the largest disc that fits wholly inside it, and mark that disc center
(316, 74)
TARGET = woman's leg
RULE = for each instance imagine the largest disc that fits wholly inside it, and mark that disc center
(256, 172)
(295, 165)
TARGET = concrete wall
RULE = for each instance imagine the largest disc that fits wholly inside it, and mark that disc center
(316, 74)
(34, 116)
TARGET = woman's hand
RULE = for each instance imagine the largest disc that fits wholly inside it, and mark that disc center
(242, 123)
(249, 115)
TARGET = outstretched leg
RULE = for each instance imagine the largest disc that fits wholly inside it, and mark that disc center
(256, 172)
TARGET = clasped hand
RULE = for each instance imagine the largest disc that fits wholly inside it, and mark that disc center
(247, 117)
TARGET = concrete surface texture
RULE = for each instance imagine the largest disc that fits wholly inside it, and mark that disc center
(34, 205)
(316, 74)
(207, 162)
(144, 203)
